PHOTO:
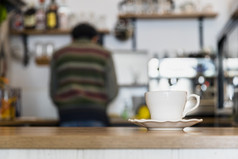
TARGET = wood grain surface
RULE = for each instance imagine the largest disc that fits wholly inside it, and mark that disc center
(116, 138)
(170, 16)
(29, 121)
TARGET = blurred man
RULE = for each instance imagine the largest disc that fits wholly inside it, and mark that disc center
(83, 80)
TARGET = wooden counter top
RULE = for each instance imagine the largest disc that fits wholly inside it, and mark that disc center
(116, 138)
(115, 121)
(30, 121)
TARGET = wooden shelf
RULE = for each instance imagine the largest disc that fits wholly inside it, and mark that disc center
(48, 32)
(234, 10)
(170, 16)
(28, 32)
(200, 16)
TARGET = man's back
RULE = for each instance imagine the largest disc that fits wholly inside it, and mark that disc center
(82, 73)
(83, 79)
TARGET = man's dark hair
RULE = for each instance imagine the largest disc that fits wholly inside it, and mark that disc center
(84, 30)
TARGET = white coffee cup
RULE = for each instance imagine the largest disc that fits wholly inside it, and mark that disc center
(169, 105)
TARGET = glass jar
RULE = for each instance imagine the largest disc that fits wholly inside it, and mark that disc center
(7, 103)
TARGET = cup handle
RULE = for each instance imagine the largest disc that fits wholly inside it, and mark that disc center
(195, 106)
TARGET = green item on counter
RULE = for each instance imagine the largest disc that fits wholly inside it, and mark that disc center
(3, 13)
(125, 114)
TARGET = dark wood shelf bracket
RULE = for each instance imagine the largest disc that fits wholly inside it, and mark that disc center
(26, 53)
(200, 28)
(134, 34)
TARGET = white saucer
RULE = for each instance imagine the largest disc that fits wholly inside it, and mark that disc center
(165, 125)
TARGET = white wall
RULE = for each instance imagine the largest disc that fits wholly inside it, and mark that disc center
(152, 35)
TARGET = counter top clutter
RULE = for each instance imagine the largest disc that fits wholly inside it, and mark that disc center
(116, 138)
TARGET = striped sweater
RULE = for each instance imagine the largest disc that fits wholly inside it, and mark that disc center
(82, 73)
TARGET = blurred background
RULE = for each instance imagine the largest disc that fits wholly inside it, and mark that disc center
(156, 45)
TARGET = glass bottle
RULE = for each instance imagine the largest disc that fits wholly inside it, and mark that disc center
(52, 20)
(40, 16)
(30, 17)
(64, 13)
(17, 21)
(7, 101)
